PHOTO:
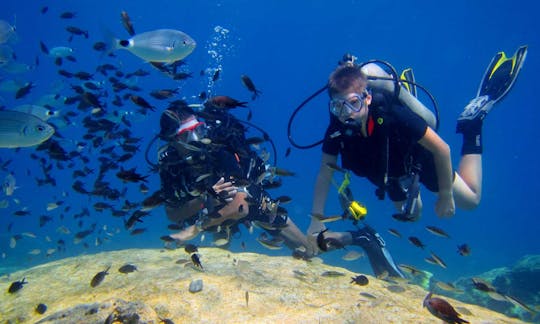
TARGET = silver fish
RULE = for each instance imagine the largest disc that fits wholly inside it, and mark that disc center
(60, 51)
(161, 45)
(9, 185)
(7, 32)
(40, 112)
(19, 129)
(437, 231)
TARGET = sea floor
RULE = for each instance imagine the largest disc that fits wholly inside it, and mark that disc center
(237, 288)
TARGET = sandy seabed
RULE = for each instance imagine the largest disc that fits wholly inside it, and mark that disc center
(237, 288)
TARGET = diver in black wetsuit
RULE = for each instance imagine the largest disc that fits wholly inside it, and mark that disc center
(389, 137)
(211, 179)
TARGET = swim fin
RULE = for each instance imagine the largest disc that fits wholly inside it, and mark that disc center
(408, 81)
(498, 79)
(501, 74)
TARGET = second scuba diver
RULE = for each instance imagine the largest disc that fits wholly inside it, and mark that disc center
(389, 137)
(211, 180)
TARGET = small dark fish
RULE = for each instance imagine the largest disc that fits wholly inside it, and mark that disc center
(82, 75)
(167, 238)
(133, 219)
(190, 248)
(335, 167)
(437, 231)
(21, 212)
(202, 95)
(44, 10)
(196, 260)
(332, 274)
(416, 242)
(76, 31)
(100, 46)
(141, 102)
(98, 278)
(68, 15)
(44, 219)
(152, 201)
(164, 93)
(66, 74)
(23, 91)
(360, 280)
(442, 309)
(282, 172)
(438, 260)
(402, 217)
(215, 77)
(41, 308)
(165, 321)
(284, 199)
(482, 285)
(174, 227)
(410, 270)
(16, 286)
(521, 304)
(288, 152)
(224, 102)
(395, 288)
(126, 22)
(269, 242)
(43, 48)
(137, 231)
(255, 140)
(246, 81)
(367, 295)
(130, 175)
(394, 232)
(127, 268)
(464, 250)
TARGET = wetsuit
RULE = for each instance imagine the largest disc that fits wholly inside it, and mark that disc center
(391, 147)
(187, 175)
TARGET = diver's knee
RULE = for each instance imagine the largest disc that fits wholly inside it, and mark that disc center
(470, 204)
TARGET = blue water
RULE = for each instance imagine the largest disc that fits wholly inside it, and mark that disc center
(289, 48)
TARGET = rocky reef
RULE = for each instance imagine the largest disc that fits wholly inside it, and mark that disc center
(520, 281)
(228, 288)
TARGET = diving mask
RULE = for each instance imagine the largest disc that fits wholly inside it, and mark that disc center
(192, 130)
(343, 107)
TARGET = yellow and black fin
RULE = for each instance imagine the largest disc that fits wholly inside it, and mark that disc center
(501, 74)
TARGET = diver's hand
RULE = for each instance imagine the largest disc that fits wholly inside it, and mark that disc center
(186, 234)
(445, 205)
(225, 190)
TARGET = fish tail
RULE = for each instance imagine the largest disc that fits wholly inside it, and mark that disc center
(111, 41)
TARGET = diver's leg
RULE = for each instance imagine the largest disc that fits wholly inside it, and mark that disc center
(468, 182)
(295, 239)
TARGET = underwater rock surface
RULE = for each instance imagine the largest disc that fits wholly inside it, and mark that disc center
(238, 288)
(521, 281)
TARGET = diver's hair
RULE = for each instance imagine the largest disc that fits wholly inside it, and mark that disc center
(346, 78)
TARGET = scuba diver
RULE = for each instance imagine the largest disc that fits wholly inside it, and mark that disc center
(384, 133)
(211, 179)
